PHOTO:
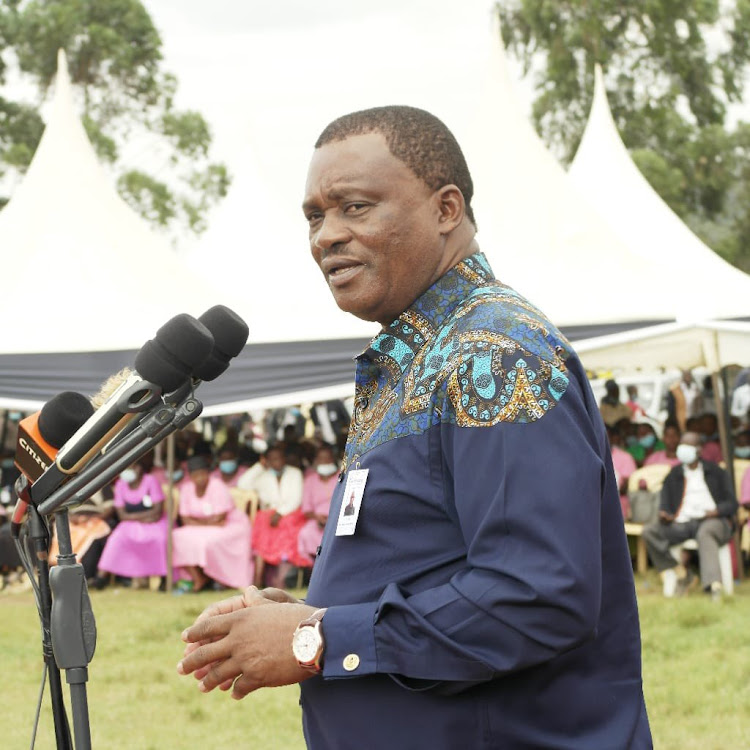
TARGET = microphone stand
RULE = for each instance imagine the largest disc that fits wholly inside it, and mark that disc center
(72, 627)
(40, 536)
(69, 628)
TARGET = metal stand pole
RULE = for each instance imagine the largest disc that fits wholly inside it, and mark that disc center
(72, 627)
(39, 535)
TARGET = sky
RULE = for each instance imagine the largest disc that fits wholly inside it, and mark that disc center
(268, 76)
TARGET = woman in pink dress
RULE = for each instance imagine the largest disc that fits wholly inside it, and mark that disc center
(214, 540)
(137, 547)
(316, 500)
(228, 468)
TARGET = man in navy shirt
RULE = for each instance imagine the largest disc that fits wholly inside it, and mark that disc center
(478, 593)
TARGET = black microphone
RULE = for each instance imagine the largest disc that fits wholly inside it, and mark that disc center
(40, 436)
(162, 364)
(230, 334)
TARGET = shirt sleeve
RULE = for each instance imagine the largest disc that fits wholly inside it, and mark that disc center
(154, 490)
(527, 497)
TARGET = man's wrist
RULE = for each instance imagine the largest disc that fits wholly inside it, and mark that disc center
(308, 642)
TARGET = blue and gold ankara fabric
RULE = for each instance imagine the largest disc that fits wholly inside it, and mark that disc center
(486, 598)
(470, 351)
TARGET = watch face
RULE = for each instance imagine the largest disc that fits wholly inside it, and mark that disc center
(306, 644)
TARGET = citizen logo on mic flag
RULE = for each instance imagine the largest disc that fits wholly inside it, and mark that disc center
(33, 453)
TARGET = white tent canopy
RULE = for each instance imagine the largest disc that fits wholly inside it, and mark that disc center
(256, 247)
(672, 345)
(698, 285)
(87, 273)
(538, 228)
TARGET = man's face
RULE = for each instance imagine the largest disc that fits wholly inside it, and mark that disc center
(200, 479)
(276, 460)
(374, 227)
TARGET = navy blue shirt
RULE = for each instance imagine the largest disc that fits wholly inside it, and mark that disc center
(486, 598)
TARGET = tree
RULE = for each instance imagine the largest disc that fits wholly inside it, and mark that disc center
(115, 62)
(673, 67)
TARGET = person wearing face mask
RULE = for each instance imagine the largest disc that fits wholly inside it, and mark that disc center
(279, 520)
(228, 468)
(645, 443)
(213, 543)
(316, 500)
(137, 547)
(697, 502)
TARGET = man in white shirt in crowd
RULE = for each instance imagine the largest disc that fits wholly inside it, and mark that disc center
(697, 502)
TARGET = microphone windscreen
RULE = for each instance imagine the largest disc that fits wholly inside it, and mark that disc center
(178, 348)
(61, 417)
(230, 334)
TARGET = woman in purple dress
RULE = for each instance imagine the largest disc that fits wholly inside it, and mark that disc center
(137, 547)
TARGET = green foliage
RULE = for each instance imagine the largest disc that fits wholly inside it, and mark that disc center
(20, 132)
(668, 87)
(151, 198)
(115, 62)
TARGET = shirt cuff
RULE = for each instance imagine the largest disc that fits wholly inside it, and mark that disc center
(350, 640)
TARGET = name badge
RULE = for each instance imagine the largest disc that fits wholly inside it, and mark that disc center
(352, 502)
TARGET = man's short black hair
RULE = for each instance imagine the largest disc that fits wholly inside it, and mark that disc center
(419, 139)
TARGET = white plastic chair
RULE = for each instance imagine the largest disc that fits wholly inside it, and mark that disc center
(725, 565)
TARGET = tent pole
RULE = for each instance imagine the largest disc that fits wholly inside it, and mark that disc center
(170, 508)
(721, 395)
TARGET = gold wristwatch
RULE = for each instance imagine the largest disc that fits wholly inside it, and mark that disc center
(308, 643)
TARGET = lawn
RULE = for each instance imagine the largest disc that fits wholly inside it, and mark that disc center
(696, 675)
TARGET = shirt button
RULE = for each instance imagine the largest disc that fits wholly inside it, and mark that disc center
(351, 662)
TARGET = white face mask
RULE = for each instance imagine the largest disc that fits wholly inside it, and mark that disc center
(128, 476)
(325, 470)
(688, 454)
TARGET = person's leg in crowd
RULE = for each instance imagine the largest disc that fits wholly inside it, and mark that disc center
(659, 537)
(712, 534)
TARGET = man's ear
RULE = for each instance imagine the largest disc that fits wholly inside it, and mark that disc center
(451, 207)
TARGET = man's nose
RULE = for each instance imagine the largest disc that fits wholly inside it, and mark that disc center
(330, 232)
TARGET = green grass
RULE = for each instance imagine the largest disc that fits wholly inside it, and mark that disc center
(136, 698)
(696, 676)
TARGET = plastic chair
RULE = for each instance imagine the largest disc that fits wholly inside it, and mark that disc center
(725, 565)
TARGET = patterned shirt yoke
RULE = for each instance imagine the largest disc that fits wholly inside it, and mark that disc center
(470, 351)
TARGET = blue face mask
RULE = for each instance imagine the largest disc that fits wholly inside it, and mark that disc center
(742, 451)
(228, 467)
(177, 475)
(647, 441)
(277, 472)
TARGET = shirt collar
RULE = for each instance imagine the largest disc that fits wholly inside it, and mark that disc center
(415, 326)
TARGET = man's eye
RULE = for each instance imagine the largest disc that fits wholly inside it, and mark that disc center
(313, 218)
(352, 208)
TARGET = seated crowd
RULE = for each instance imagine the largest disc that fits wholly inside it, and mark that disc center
(675, 485)
(243, 511)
